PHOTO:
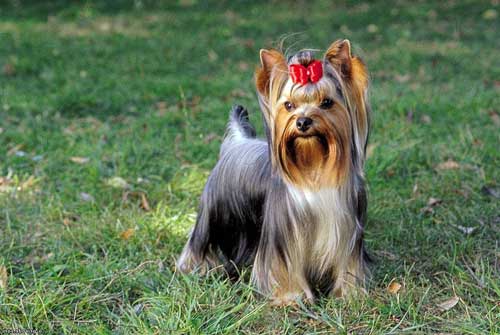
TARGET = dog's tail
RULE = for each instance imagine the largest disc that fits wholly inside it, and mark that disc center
(239, 124)
(239, 128)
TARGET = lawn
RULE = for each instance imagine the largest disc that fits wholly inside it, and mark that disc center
(111, 117)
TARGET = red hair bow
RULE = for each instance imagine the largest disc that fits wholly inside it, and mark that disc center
(302, 75)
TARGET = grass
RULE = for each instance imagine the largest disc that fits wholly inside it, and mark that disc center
(141, 91)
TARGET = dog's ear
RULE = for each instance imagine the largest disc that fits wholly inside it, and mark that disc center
(351, 68)
(269, 59)
(355, 77)
(339, 55)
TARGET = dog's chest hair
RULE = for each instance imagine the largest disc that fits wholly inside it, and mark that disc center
(330, 232)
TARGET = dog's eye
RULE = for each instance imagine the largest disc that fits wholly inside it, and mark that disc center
(289, 106)
(326, 103)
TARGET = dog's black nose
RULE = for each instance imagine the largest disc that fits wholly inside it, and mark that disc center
(303, 123)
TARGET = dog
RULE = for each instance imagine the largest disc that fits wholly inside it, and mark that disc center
(293, 205)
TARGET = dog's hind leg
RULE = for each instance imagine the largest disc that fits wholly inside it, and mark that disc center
(197, 255)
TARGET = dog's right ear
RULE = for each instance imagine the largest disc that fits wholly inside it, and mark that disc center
(269, 59)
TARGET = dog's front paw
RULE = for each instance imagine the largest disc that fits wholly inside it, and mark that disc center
(286, 299)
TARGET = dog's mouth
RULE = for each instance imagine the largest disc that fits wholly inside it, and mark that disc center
(301, 137)
(304, 145)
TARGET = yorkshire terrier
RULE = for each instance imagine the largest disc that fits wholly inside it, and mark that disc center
(293, 205)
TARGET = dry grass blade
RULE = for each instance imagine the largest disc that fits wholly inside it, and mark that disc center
(145, 203)
(3, 277)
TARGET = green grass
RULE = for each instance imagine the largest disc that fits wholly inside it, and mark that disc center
(143, 91)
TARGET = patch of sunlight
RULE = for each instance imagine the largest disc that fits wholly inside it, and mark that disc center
(13, 184)
(190, 180)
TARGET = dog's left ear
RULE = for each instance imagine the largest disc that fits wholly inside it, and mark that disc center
(355, 77)
(351, 68)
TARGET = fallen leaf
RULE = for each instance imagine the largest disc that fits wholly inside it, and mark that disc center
(145, 203)
(448, 165)
(3, 277)
(1, 130)
(393, 287)
(448, 304)
(490, 14)
(117, 182)
(415, 188)
(425, 119)
(465, 230)
(66, 222)
(79, 160)
(86, 197)
(125, 235)
(433, 202)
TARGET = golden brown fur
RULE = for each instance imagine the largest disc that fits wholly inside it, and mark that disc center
(318, 160)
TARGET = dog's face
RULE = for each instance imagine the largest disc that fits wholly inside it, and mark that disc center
(317, 130)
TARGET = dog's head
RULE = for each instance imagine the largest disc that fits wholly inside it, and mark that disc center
(316, 113)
